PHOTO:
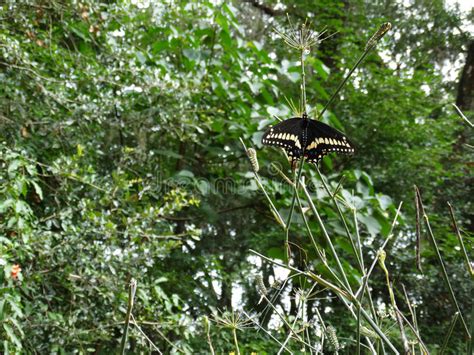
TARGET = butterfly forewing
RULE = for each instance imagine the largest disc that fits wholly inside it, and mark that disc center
(312, 138)
(287, 135)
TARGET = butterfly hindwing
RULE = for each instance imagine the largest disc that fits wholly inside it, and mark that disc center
(323, 139)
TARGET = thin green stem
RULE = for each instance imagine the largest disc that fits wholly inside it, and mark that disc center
(341, 216)
(343, 82)
(326, 236)
(470, 344)
(459, 112)
(303, 81)
(236, 342)
(300, 170)
(292, 207)
(208, 333)
(344, 296)
(377, 329)
(390, 236)
(147, 338)
(410, 308)
(417, 335)
(264, 330)
(358, 254)
(260, 185)
(444, 273)
(461, 243)
(131, 296)
(282, 317)
(449, 333)
(309, 274)
(292, 330)
(358, 240)
(381, 259)
(308, 229)
(358, 332)
(318, 250)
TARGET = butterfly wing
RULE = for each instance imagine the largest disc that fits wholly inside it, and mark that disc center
(323, 139)
(287, 135)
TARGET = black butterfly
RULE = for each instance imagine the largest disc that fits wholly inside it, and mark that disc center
(302, 136)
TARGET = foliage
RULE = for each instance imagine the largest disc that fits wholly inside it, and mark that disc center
(120, 158)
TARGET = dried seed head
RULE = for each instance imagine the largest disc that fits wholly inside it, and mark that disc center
(262, 290)
(382, 255)
(301, 37)
(232, 320)
(368, 332)
(383, 29)
(252, 154)
(332, 337)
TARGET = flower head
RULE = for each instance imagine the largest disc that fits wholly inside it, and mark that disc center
(16, 269)
(233, 320)
(301, 37)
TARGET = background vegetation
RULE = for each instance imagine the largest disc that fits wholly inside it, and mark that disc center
(120, 158)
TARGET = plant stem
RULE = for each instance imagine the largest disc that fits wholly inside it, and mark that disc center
(308, 229)
(208, 333)
(444, 273)
(283, 318)
(303, 110)
(131, 297)
(381, 258)
(343, 82)
(260, 185)
(236, 342)
(417, 335)
(358, 331)
(292, 207)
(461, 243)
(303, 81)
(343, 294)
(341, 216)
(326, 236)
(463, 116)
(292, 330)
(359, 243)
(390, 236)
(264, 330)
(449, 333)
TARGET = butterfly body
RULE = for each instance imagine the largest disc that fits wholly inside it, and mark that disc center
(301, 136)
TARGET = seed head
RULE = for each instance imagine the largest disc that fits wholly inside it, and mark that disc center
(252, 154)
(262, 290)
(383, 29)
(301, 37)
(332, 337)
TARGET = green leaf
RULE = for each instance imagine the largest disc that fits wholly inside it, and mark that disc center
(11, 334)
(373, 226)
(384, 201)
(38, 189)
(13, 166)
(276, 253)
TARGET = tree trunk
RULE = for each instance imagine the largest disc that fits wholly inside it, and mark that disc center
(465, 98)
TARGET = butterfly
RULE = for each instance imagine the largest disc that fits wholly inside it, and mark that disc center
(302, 136)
